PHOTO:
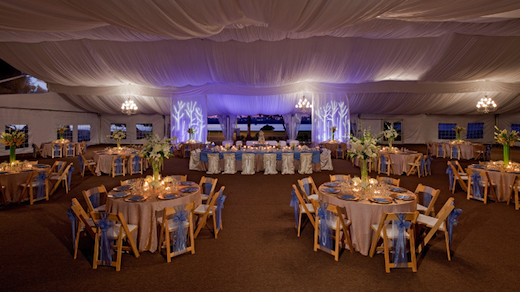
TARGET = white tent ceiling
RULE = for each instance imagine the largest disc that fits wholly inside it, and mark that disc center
(390, 57)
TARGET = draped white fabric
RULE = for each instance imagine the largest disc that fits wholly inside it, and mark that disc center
(228, 125)
(248, 57)
(287, 163)
(292, 124)
(248, 163)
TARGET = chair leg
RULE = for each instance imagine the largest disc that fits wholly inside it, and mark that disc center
(316, 232)
(412, 252)
(119, 253)
(387, 255)
(447, 238)
(96, 252)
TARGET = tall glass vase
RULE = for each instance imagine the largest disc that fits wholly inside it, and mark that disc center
(156, 165)
(12, 153)
(390, 143)
(506, 155)
(333, 137)
(364, 170)
(458, 136)
(118, 143)
(61, 136)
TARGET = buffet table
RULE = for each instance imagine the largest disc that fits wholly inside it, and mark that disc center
(144, 213)
(364, 212)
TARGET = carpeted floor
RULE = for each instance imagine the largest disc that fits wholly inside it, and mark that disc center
(258, 249)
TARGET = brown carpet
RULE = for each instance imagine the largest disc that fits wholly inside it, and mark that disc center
(258, 249)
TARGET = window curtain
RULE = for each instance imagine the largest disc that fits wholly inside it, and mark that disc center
(228, 125)
(190, 112)
(292, 125)
(330, 110)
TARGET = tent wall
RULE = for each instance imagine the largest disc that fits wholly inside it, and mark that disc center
(159, 123)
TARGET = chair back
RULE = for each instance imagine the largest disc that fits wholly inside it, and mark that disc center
(65, 176)
(210, 208)
(208, 185)
(58, 167)
(303, 205)
(83, 217)
(308, 187)
(389, 180)
(70, 149)
(136, 164)
(430, 196)
(95, 197)
(339, 177)
(177, 216)
(118, 165)
(180, 178)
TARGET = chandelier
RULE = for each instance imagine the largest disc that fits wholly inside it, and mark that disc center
(129, 107)
(486, 105)
(303, 104)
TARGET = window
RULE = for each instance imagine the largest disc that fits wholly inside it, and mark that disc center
(447, 132)
(515, 127)
(143, 130)
(475, 131)
(83, 133)
(115, 127)
(397, 126)
(22, 128)
(68, 134)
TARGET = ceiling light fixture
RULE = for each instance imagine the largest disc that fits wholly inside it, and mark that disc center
(129, 107)
(303, 104)
(486, 105)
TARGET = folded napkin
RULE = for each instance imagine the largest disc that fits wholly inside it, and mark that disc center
(478, 166)
(3, 172)
(188, 190)
(382, 200)
(136, 198)
(27, 170)
(40, 165)
(122, 188)
(170, 196)
(348, 197)
(332, 184)
(403, 197)
(397, 190)
(331, 190)
(493, 170)
(186, 183)
(119, 195)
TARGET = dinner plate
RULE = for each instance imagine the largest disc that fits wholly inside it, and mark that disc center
(3, 172)
(188, 190)
(349, 197)
(135, 198)
(402, 197)
(119, 195)
(331, 184)
(41, 165)
(27, 170)
(398, 190)
(381, 200)
(331, 190)
(122, 188)
(168, 196)
(187, 183)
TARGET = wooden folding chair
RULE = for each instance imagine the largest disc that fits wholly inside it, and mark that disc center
(102, 191)
(455, 149)
(305, 208)
(460, 170)
(118, 232)
(513, 189)
(57, 150)
(33, 182)
(437, 223)
(2, 191)
(388, 162)
(85, 224)
(58, 167)
(340, 226)
(180, 178)
(339, 177)
(389, 180)
(430, 209)
(485, 182)
(82, 147)
(168, 226)
(440, 150)
(208, 190)
(479, 152)
(384, 230)
(459, 178)
(415, 165)
(69, 149)
(203, 211)
(135, 164)
(309, 189)
(118, 161)
(37, 151)
(88, 164)
(62, 178)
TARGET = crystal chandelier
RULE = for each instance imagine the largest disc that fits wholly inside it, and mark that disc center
(303, 104)
(129, 107)
(486, 105)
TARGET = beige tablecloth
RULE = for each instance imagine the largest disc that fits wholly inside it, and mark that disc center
(363, 214)
(145, 214)
(502, 179)
(103, 162)
(12, 182)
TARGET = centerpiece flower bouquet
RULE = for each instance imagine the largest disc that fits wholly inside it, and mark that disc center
(156, 150)
(118, 135)
(333, 129)
(12, 139)
(390, 135)
(502, 137)
(458, 129)
(61, 129)
(363, 148)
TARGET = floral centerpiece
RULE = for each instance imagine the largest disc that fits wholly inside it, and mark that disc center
(155, 150)
(363, 148)
(12, 139)
(333, 129)
(118, 135)
(191, 131)
(502, 137)
(458, 130)
(61, 129)
(390, 134)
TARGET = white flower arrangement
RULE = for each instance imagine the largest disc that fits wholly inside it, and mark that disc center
(389, 134)
(364, 147)
(155, 148)
(118, 135)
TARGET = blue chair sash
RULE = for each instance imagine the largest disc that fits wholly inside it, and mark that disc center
(70, 150)
(477, 188)
(307, 187)
(34, 149)
(74, 223)
(429, 164)
(81, 163)
(454, 152)
(449, 171)
(400, 243)
(118, 162)
(440, 149)
(94, 197)
(453, 220)
(383, 163)
(180, 234)
(106, 248)
(294, 203)
(325, 236)
(136, 164)
(69, 176)
(421, 167)
(207, 188)
(218, 211)
(56, 149)
(427, 196)
(40, 179)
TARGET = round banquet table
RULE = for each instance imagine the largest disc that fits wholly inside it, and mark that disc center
(13, 180)
(363, 214)
(401, 160)
(104, 161)
(144, 214)
(502, 179)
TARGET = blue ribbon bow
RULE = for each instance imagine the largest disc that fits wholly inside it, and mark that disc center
(400, 244)
(383, 163)
(449, 171)
(218, 212)
(56, 149)
(119, 164)
(294, 203)
(455, 152)
(180, 239)
(74, 223)
(40, 179)
(477, 187)
(427, 196)
(207, 188)
(70, 150)
(325, 230)
(81, 163)
(69, 176)
(453, 220)
(136, 164)
(106, 249)
(421, 168)
(94, 197)
(429, 164)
